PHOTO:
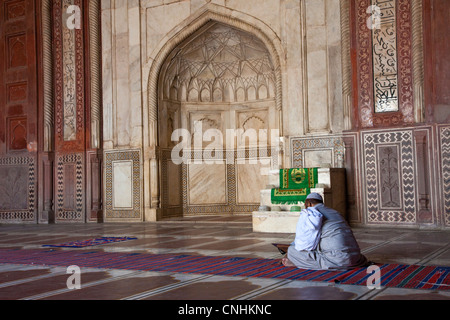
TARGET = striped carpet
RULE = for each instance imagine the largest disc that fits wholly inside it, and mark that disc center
(392, 275)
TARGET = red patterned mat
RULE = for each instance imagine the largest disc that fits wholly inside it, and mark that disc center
(391, 275)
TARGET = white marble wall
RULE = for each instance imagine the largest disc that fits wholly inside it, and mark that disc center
(250, 180)
(305, 35)
(323, 65)
(210, 181)
(122, 83)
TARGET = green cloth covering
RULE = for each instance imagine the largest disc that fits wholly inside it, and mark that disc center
(295, 185)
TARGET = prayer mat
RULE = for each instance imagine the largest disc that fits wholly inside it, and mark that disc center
(89, 242)
(295, 185)
(282, 248)
(392, 275)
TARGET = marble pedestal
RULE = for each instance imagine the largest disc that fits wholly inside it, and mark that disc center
(275, 221)
(280, 219)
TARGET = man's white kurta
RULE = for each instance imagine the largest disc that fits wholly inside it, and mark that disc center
(337, 248)
(308, 231)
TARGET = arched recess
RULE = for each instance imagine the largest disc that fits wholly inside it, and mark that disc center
(210, 13)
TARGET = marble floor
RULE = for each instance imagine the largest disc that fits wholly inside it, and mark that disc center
(213, 235)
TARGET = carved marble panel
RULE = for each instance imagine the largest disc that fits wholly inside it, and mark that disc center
(13, 186)
(17, 189)
(252, 123)
(202, 121)
(223, 182)
(445, 171)
(70, 193)
(69, 72)
(310, 152)
(389, 177)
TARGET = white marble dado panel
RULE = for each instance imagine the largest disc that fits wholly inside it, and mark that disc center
(250, 181)
(169, 121)
(207, 183)
(122, 184)
(318, 158)
(174, 184)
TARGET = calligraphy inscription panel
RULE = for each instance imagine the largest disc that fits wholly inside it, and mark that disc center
(385, 74)
(69, 79)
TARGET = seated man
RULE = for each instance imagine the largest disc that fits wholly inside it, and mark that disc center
(323, 240)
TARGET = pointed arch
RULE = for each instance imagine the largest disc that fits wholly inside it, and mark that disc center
(196, 23)
(210, 13)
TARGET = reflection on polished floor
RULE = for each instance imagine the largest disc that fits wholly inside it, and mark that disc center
(207, 235)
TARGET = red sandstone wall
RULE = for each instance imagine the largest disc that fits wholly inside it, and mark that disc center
(437, 60)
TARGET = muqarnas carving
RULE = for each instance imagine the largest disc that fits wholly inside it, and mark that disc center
(223, 64)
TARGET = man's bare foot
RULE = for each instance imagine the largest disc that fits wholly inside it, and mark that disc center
(287, 263)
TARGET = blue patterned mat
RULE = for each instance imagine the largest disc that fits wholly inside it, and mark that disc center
(89, 242)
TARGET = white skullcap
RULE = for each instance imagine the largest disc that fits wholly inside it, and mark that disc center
(314, 195)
